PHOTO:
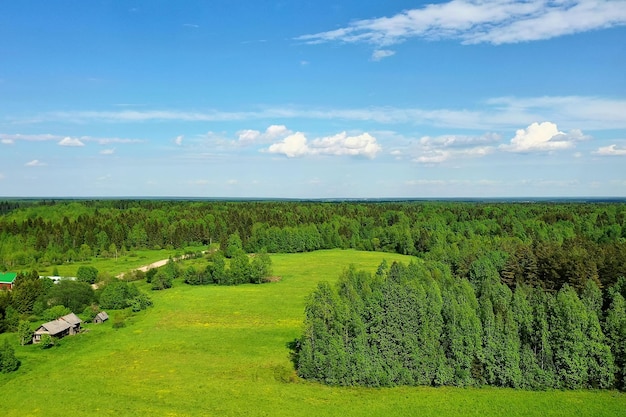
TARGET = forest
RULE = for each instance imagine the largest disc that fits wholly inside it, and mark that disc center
(527, 295)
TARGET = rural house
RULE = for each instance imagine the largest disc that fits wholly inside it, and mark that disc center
(7, 279)
(63, 326)
(101, 317)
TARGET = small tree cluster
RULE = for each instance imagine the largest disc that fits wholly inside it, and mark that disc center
(119, 295)
(87, 274)
(243, 269)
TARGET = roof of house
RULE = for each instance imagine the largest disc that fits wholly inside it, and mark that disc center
(7, 277)
(102, 315)
(71, 319)
(57, 326)
(53, 327)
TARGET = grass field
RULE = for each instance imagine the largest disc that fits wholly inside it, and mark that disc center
(114, 266)
(221, 351)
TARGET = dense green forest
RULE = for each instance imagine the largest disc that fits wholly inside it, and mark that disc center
(545, 244)
(419, 325)
(508, 294)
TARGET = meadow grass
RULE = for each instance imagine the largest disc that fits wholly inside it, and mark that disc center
(117, 265)
(221, 351)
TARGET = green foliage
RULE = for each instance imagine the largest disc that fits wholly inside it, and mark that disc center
(162, 280)
(8, 361)
(117, 295)
(46, 341)
(87, 274)
(140, 302)
(90, 312)
(55, 312)
(418, 325)
(24, 333)
(73, 294)
(260, 267)
(233, 246)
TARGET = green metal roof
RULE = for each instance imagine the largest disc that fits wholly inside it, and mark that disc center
(7, 277)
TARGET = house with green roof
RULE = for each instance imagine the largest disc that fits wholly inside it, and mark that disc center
(7, 279)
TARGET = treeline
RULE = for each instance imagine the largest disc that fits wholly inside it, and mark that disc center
(546, 243)
(419, 325)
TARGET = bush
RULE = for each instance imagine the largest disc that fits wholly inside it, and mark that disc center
(87, 274)
(161, 280)
(46, 342)
(8, 361)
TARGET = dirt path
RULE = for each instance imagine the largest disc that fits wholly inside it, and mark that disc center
(156, 264)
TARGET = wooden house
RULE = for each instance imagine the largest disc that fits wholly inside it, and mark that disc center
(7, 279)
(63, 326)
(101, 317)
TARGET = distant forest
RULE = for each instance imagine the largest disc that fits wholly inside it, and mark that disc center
(541, 244)
(508, 294)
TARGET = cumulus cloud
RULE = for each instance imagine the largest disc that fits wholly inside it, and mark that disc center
(340, 144)
(179, 140)
(34, 163)
(379, 54)
(542, 137)
(611, 150)
(254, 136)
(292, 146)
(109, 151)
(68, 141)
(7, 141)
(481, 21)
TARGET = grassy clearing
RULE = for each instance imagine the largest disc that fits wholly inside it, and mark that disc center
(220, 351)
(114, 266)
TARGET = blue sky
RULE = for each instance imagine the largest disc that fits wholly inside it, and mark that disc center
(313, 99)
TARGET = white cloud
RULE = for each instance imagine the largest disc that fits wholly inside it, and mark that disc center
(584, 112)
(1, 176)
(179, 140)
(292, 146)
(481, 21)
(338, 145)
(379, 54)
(34, 163)
(435, 150)
(611, 150)
(542, 137)
(68, 141)
(191, 25)
(459, 140)
(109, 151)
(9, 139)
(254, 136)
(433, 157)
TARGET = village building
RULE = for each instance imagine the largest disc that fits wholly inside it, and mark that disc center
(7, 279)
(101, 317)
(61, 327)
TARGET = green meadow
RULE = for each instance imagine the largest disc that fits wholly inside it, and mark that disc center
(221, 351)
(123, 263)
